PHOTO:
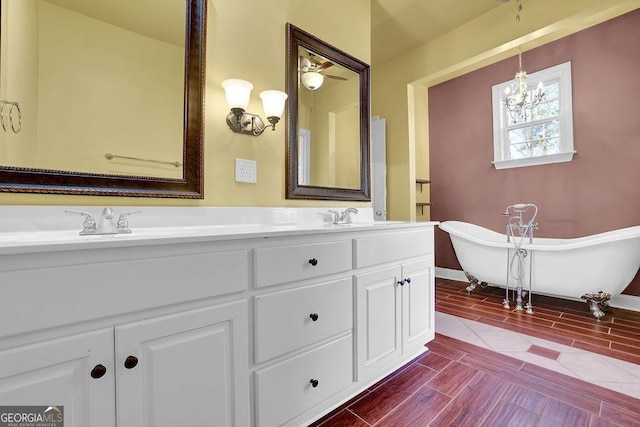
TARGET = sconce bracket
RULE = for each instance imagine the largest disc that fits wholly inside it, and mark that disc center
(247, 123)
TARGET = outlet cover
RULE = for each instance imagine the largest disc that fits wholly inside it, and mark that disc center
(246, 171)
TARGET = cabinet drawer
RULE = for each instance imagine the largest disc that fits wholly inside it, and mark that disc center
(281, 264)
(284, 320)
(80, 292)
(392, 247)
(286, 390)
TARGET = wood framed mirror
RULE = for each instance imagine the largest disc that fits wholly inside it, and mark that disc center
(111, 143)
(328, 121)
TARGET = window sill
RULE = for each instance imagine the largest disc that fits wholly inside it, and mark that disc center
(533, 161)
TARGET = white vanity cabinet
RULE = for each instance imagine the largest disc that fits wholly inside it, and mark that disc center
(247, 327)
(321, 335)
(142, 336)
(184, 369)
(394, 304)
(59, 372)
(303, 326)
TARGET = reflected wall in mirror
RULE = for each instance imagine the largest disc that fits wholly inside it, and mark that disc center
(328, 121)
(110, 94)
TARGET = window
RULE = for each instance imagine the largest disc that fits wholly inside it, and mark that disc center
(538, 136)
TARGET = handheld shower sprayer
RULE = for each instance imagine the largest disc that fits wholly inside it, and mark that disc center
(520, 225)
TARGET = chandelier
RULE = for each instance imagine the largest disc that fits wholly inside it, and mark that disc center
(517, 98)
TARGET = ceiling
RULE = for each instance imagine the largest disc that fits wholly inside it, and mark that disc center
(398, 26)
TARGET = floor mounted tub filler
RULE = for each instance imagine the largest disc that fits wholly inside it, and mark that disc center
(592, 268)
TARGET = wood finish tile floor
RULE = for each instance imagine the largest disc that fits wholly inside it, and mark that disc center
(554, 319)
(461, 384)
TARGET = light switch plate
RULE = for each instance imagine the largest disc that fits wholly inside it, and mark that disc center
(246, 171)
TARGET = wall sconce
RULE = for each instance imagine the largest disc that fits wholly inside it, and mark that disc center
(238, 92)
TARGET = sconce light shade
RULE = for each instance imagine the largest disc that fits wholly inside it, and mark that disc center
(312, 80)
(237, 92)
(273, 103)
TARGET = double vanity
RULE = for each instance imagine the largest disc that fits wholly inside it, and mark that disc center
(208, 316)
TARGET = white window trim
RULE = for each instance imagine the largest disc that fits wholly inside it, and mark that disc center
(561, 72)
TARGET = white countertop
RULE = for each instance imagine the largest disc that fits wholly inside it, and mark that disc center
(26, 229)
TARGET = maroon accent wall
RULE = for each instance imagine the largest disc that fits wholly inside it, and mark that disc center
(598, 191)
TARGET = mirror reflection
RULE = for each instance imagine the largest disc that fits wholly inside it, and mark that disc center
(328, 123)
(328, 117)
(109, 94)
(89, 82)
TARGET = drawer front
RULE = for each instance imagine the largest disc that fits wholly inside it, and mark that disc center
(284, 321)
(285, 390)
(392, 247)
(281, 264)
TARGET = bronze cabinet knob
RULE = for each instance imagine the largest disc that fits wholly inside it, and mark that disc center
(98, 371)
(131, 362)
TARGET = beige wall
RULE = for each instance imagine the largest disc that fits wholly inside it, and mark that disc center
(399, 87)
(248, 41)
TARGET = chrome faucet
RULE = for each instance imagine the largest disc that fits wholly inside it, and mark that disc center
(343, 217)
(107, 223)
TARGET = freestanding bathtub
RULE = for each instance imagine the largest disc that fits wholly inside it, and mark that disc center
(566, 268)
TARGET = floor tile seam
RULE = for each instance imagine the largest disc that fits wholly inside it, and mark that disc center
(609, 360)
(571, 373)
(480, 354)
(542, 382)
(594, 393)
(358, 417)
(426, 385)
(485, 417)
(460, 389)
(495, 404)
(625, 409)
(586, 333)
(526, 409)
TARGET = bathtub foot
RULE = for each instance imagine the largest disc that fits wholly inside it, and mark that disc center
(505, 303)
(528, 308)
(473, 282)
(598, 303)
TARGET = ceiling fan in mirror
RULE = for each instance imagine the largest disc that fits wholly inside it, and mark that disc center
(311, 68)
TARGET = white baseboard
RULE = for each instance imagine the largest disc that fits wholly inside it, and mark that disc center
(451, 274)
(628, 302)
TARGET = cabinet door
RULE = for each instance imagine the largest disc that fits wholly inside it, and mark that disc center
(59, 373)
(418, 308)
(187, 369)
(379, 317)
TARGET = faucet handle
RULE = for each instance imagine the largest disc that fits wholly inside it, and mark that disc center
(337, 216)
(89, 225)
(346, 215)
(123, 224)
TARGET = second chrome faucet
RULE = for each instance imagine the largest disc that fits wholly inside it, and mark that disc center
(343, 217)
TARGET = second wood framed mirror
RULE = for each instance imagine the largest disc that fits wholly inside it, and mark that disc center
(328, 121)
